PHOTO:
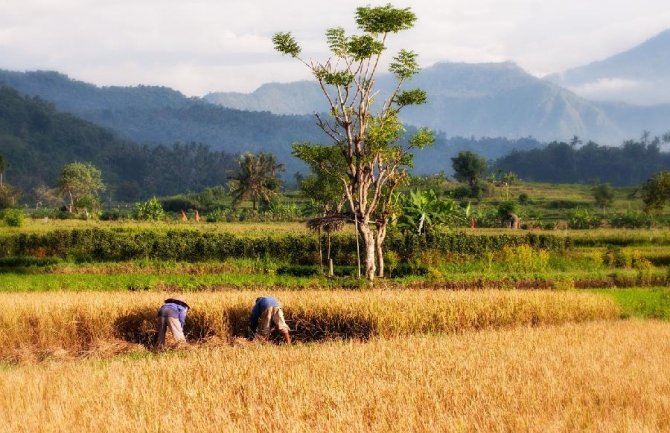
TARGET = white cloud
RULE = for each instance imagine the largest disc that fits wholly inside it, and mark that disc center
(607, 85)
(208, 45)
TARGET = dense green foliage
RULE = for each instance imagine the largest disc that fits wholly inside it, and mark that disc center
(14, 217)
(468, 167)
(150, 210)
(37, 141)
(656, 191)
(192, 245)
(80, 184)
(423, 211)
(630, 164)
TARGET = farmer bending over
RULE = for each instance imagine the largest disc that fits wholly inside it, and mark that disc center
(267, 311)
(172, 314)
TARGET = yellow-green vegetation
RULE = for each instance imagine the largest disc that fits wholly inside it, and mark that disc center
(42, 324)
(597, 377)
(251, 229)
(648, 303)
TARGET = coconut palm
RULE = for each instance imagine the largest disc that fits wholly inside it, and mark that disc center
(256, 179)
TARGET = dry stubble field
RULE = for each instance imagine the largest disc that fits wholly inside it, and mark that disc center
(609, 376)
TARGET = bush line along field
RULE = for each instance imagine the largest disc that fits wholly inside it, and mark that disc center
(192, 245)
(40, 325)
(604, 377)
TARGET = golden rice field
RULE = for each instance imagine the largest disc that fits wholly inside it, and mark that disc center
(38, 326)
(592, 377)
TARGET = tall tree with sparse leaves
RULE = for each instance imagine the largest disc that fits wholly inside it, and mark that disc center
(366, 154)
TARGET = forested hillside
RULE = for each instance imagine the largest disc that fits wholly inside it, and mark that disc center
(559, 162)
(159, 115)
(37, 141)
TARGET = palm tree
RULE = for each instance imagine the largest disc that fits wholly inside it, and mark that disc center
(256, 179)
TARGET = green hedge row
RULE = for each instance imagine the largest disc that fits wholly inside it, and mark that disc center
(188, 245)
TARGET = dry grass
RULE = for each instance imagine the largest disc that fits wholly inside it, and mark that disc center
(597, 377)
(40, 325)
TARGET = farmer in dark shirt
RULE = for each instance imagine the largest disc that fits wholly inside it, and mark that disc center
(267, 311)
(172, 314)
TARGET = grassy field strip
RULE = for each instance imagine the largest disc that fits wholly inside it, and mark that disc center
(10, 282)
(265, 228)
(40, 325)
(239, 228)
(641, 302)
(123, 281)
(597, 377)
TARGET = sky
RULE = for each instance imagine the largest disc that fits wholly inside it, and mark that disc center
(205, 46)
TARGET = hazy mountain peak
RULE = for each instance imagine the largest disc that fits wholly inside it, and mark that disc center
(639, 75)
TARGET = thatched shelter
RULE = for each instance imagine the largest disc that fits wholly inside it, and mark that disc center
(328, 224)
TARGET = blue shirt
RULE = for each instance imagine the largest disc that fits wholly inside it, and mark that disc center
(181, 311)
(262, 304)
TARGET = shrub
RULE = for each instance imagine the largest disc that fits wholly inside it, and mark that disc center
(524, 199)
(581, 218)
(14, 217)
(114, 215)
(219, 215)
(486, 218)
(524, 258)
(179, 203)
(631, 220)
(626, 258)
(506, 208)
(150, 210)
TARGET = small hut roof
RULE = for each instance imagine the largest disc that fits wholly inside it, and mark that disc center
(328, 223)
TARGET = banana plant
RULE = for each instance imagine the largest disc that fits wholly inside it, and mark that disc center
(422, 211)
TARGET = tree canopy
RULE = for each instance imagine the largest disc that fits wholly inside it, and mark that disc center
(656, 191)
(468, 167)
(630, 164)
(80, 183)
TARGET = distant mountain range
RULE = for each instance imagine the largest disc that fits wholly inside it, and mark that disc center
(640, 75)
(494, 99)
(600, 101)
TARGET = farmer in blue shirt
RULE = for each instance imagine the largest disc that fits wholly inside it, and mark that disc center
(172, 314)
(267, 311)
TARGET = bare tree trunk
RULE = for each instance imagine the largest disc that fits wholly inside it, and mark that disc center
(369, 241)
(320, 251)
(379, 241)
(71, 207)
(330, 261)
